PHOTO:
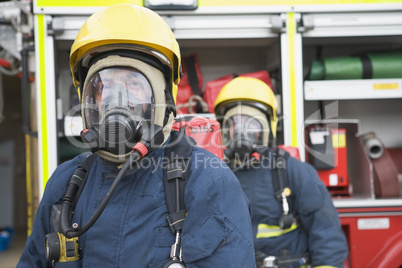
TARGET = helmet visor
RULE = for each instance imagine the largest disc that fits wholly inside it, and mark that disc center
(118, 89)
(242, 127)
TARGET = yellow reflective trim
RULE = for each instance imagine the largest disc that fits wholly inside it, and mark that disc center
(265, 230)
(42, 96)
(291, 31)
(87, 3)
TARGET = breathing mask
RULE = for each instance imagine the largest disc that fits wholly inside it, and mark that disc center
(121, 97)
(244, 129)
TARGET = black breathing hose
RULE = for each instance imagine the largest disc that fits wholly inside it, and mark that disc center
(66, 209)
(152, 138)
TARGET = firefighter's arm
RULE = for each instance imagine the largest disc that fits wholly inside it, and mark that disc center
(217, 231)
(319, 218)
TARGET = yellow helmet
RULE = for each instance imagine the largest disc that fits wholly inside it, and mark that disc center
(248, 90)
(127, 27)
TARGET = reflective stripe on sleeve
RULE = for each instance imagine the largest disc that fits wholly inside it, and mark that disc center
(265, 230)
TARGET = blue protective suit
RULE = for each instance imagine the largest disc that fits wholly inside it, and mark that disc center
(133, 230)
(319, 231)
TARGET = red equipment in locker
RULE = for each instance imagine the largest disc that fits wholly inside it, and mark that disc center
(327, 152)
(205, 131)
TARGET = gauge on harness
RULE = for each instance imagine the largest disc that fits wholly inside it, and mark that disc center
(60, 248)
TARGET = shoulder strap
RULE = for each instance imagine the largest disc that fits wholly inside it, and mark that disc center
(279, 175)
(177, 172)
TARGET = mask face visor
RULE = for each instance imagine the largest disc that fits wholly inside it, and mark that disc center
(242, 133)
(242, 127)
(116, 102)
(117, 89)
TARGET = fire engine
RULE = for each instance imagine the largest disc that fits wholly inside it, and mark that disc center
(299, 42)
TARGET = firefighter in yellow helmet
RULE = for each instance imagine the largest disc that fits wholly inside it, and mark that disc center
(134, 52)
(246, 109)
(293, 217)
(145, 196)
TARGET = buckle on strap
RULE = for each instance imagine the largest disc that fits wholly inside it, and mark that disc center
(176, 251)
(176, 220)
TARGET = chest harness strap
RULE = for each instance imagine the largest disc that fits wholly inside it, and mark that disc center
(175, 178)
(282, 188)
